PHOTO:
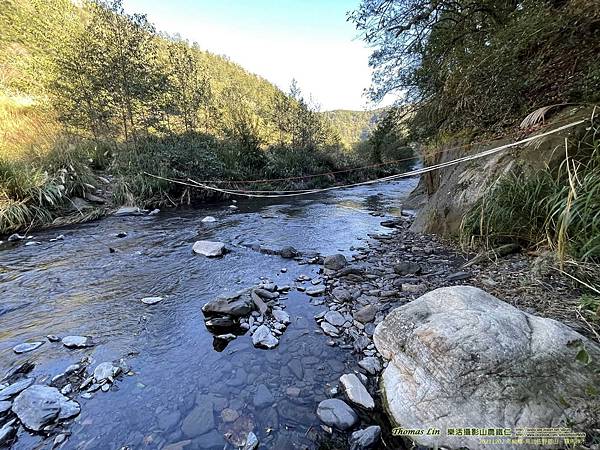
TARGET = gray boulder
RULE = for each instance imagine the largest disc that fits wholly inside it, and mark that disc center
(460, 357)
(356, 391)
(77, 341)
(209, 248)
(336, 413)
(236, 305)
(38, 406)
(365, 439)
(335, 262)
(263, 338)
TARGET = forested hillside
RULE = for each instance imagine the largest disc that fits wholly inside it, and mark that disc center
(472, 70)
(86, 87)
(354, 126)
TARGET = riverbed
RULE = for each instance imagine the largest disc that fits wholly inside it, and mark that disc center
(90, 282)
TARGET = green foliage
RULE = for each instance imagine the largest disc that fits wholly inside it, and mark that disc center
(481, 64)
(560, 207)
(354, 126)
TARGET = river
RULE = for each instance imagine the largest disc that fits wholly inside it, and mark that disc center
(77, 286)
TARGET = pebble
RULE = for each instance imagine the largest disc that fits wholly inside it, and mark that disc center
(27, 347)
(151, 300)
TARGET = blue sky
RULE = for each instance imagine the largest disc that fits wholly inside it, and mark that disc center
(309, 40)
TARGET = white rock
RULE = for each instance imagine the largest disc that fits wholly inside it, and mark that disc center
(357, 393)
(209, 248)
(461, 357)
(263, 338)
(281, 316)
(77, 341)
(209, 219)
(151, 300)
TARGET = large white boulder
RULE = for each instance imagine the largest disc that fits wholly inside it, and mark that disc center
(460, 357)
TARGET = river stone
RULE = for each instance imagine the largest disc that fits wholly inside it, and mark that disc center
(264, 293)
(315, 291)
(336, 413)
(366, 314)
(251, 442)
(151, 300)
(105, 370)
(343, 295)
(27, 347)
(13, 389)
(407, 268)
(209, 219)
(4, 407)
(288, 252)
(263, 338)
(281, 316)
(263, 397)
(199, 421)
(237, 305)
(335, 262)
(329, 329)
(371, 364)
(209, 248)
(38, 406)
(7, 432)
(335, 318)
(357, 393)
(128, 211)
(460, 357)
(365, 439)
(77, 341)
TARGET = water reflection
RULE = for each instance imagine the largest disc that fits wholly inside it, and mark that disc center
(184, 393)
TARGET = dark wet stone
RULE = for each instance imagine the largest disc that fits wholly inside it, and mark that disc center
(335, 262)
(7, 433)
(217, 323)
(236, 305)
(366, 314)
(360, 343)
(406, 268)
(289, 252)
(263, 397)
(294, 412)
(458, 276)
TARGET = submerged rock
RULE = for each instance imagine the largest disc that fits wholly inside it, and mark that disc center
(336, 413)
(460, 357)
(38, 406)
(263, 338)
(209, 248)
(27, 347)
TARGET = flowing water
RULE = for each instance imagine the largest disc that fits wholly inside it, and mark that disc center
(76, 286)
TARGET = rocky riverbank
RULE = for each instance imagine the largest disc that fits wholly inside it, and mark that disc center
(395, 269)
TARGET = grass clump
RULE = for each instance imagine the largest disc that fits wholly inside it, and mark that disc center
(558, 207)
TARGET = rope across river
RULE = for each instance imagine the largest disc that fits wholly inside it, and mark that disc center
(293, 193)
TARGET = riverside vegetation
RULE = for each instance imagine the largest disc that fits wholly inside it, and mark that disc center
(88, 89)
(472, 70)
